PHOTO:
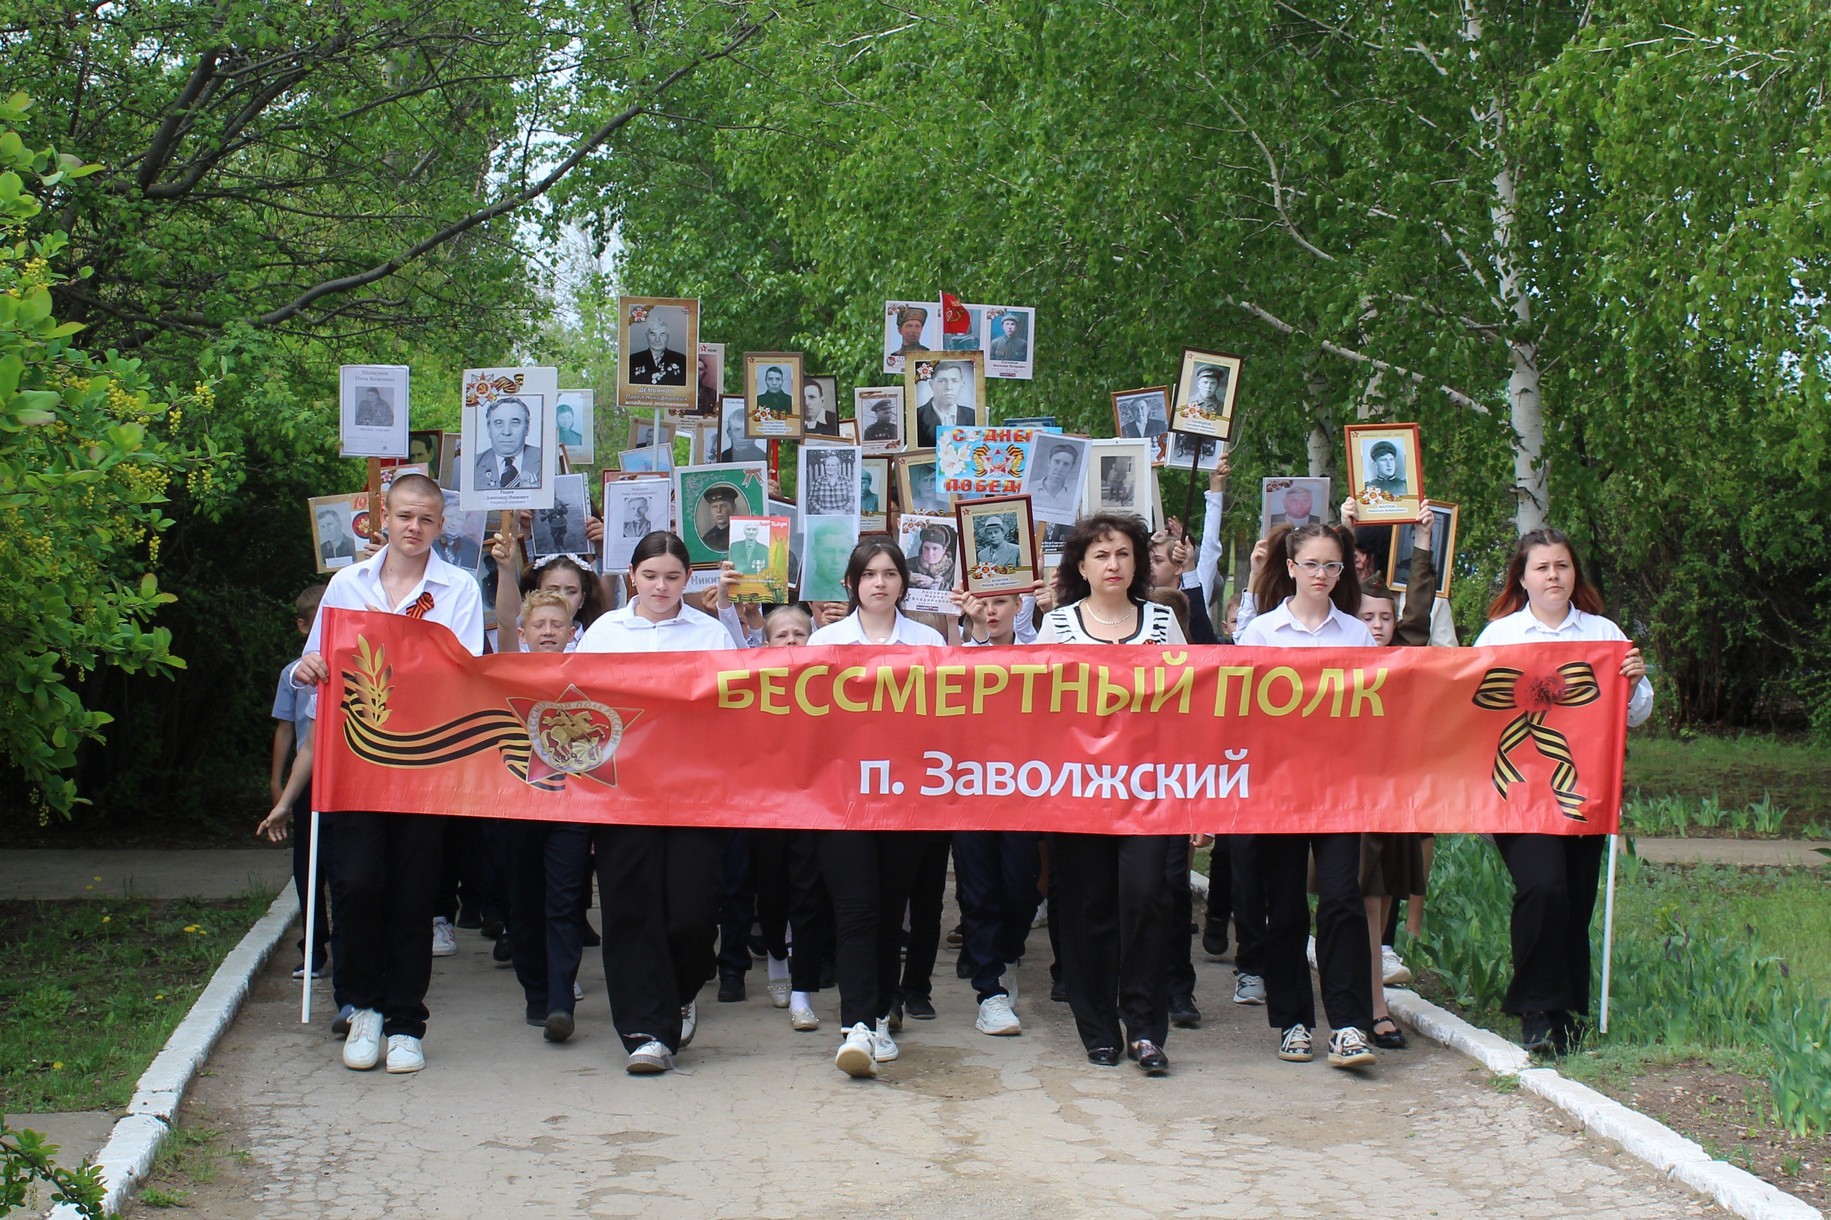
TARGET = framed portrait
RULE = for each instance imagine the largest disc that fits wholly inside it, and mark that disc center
(909, 326)
(657, 334)
(372, 410)
(873, 495)
(335, 532)
(848, 432)
(942, 390)
(971, 463)
(878, 411)
(451, 453)
(425, 448)
(828, 543)
(734, 442)
(650, 459)
(759, 552)
(1205, 391)
(820, 407)
(796, 541)
(1142, 412)
(1385, 472)
(711, 387)
(931, 544)
(633, 509)
(772, 395)
(1049, 539)
(1009, 333)
(559, 529)
(575, 425)
(642, 433)
(1056, 478)
(510, 459)
(998, 546)
(916, 491)
(461, 539)
(709, 496)
(1292, 500)
(1180, 450)
(1118, 477)
(1442, 549)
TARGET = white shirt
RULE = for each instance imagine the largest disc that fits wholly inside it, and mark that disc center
(849, 630)
(1280, 629)
(457, 602)
(1208, 560)
(1522, 627)
(1156, 625)
(623, 630)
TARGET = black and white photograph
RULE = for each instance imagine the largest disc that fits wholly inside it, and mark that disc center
(942, 390)
(1142, 412)
(423, 449)
(1183, 448)
(1010, 341)
(1385, 472)
(909, 326)
(333, 535)
(820, 407)
(1055, 477)
(734, 443)
(873, 495)
(660, 338)
(711, 379)
(1205, 392)
(1119, 477)
(772, 395)
(460, 540)
(827, 480)
(510, 459)
(879, 412)
(1442, 550)
(709, 496)
(633, 508)
(916, 491)
(559, 529)
(575, 425)
(931, 544)
(1292, 500)
(1050, 539)
(372, 414)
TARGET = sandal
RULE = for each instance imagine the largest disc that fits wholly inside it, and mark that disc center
(1387, 1035)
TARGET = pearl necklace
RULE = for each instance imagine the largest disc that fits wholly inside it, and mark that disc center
(1109, 622)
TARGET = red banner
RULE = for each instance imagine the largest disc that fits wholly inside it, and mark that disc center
(1120, 739)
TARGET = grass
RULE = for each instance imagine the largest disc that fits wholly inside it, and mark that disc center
(1736, 772)
(90, 989)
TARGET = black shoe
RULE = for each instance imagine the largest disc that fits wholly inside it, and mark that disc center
(1392, 1038)
(588, 935)
(919, 1007)
(829, 975)
(1058, 991)
(957, 937)
(963, 967)
(758, 950)
(1104, 1056)
(491, 928)
(1214, 940)
(558, 1026)
(1183, 1012)
(1536, 1033)
(1566, 1033)
(501, 954)
(730, 989)
(1150, 1059)
(469, 917)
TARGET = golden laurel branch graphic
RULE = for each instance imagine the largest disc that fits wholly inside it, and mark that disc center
(1503, 689)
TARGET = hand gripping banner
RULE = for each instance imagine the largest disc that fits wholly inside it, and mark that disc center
(1117, 740)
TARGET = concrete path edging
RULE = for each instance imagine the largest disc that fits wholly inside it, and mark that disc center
(127, 1157)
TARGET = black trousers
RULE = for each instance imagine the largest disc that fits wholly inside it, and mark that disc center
(869, 874)
(385, 867)
(1555, 878)
(660, 889)
(739, 909)
(791, 895)
(1342, 952)
(472, 872)
(1112, 906)
(995, 874)
(1179, 954)
(1249, 912)
(538, 851)
(927, 897)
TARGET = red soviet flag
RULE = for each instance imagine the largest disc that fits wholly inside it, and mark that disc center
(954, 318)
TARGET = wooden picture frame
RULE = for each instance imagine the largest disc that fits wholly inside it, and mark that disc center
(1141, 413)
(1201, 409)
(664, 380)
(1004, 561)
(928, 374)
(1442, 551)
(915, 485)
(1385, 472)
(772, 395)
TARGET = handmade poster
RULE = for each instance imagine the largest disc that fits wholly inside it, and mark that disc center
(1010, 347)
(1292, 500)
(559, 529)
(931, 545)
(772, 394)
(334, 529)
(372, 414)
(510, 459)
(634, 508)
(711, 386)
(460, 541)
(873, 495)
(1385, 472)
(879, 412)
(1119, 477)
(709, 497)
(943, 390)
(657, 334)
(828, 543)
(998, 546)
(909, 326)
(1056, 478)
(971, 463)
(1204, 394)
(759, 553)
(820, 407)
(575, 423)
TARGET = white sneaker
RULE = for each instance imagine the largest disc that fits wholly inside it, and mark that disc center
(1248, 989)
(405, 1054)
(1348, 1049)
(649, 1059)
(883, 1046)
(802, 1018)
(689, 1023)
(857, 1054)
(1310, 953)
(996, 1017)
(444, 938)
(778, 992)
(1041, 919)
(1295, 1045)
(578, 992)
(1393, 970)
(362, 1045)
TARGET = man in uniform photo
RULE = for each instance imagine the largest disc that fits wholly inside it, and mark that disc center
(1009, 345)
(774, 399)
(1388, 475)
(883, 420)
(720, 500)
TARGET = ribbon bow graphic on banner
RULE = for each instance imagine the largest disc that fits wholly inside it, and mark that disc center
(1503, 689)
